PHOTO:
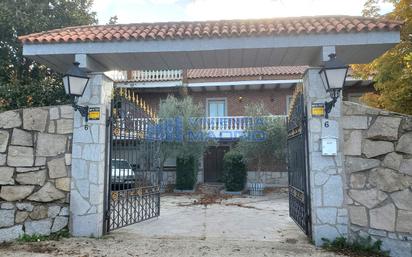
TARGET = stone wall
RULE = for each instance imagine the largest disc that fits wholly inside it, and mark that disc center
(378, 161)
(35, 161)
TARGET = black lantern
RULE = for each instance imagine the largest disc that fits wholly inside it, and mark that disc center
(333, 75)
(75, 81)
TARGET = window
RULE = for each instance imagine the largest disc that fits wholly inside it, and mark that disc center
(216, 107)
(288, 100)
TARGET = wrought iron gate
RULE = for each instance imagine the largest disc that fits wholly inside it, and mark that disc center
(299, 195)
(134, 173)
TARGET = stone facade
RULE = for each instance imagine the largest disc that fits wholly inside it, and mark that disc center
(35, 169)
(327, 178)
(88, 160)
(378, 162)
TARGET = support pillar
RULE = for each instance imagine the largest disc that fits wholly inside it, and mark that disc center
(88, 161)
(327, 177)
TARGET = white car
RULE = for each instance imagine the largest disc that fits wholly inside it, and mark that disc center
(122, 175)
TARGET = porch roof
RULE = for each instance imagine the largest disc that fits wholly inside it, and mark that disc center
(213, 44)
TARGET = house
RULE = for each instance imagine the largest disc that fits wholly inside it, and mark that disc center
(224, 93)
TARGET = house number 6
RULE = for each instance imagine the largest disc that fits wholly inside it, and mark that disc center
(326, 124)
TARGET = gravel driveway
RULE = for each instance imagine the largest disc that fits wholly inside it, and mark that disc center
(190, 225)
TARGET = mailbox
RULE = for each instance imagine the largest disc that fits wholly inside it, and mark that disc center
(329, 146)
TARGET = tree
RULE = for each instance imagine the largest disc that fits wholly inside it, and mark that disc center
(186, 113)
(23, 82)
(265, 141)
(391, 72)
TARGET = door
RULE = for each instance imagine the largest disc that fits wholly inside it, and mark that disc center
(213, 163)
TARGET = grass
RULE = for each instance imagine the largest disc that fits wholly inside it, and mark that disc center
(361, 247)
(64, 233)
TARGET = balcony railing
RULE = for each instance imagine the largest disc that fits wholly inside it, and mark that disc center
(146, 75)
(219, 127)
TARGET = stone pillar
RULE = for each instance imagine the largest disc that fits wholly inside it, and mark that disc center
(327, 179)
(88, 161)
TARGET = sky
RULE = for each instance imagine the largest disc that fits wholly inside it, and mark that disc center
(134, 11)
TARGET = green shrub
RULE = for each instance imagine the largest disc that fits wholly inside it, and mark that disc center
(186, 172)
(360, 247)
(234, 171)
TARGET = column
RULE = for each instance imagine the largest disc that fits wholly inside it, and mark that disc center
(89, 158)
(327, 179)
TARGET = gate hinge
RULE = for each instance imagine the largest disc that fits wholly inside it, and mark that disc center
(109, 121)
(106, 215)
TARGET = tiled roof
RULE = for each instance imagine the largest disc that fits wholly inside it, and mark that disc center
(240, 72)
(213, 29)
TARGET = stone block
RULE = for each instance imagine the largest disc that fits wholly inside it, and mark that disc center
(12, 233)
(326, 215)
(68, 158)
(354, 122)
(59, 223)
(325, 231)
(357, 180)
(406, 167)
(35, 119)
(384, 128)
(406, 124)
(38, 227)
(52, 127)
(21, 216)
(63, 184)
(376, 148)
(3, 158)
(64, 211)
(78, 205)
(20, 156)
(32, 178)
(54, 113)
(50, 145)
(15, 193)
(66, 112)
(383, 217)
(47, 193)
(320, 178)
(397, 248)
(28, 169)
(39, 212)
(53, 211)
(24, 206)
(358, 215)
(6, 176)
(7, 206)
(6, 218)
(353, 143)
(64, 126)
(10, 119)
(369, 198)
(403, 199)
(57, 168)
(333, 192)
(40, 161)
(388, 180)
(355, 164)
(21, 137)
(4, 140)
(405, 143)
(392, 160)
(404, 221)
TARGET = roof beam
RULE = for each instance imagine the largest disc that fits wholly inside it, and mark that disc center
(88, 63)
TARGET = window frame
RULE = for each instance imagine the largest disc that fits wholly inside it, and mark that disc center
(224, 99)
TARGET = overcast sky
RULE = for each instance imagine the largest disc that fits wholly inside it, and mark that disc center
(129, 11)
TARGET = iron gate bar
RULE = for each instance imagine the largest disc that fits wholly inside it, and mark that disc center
(299, 189)
(133, 172)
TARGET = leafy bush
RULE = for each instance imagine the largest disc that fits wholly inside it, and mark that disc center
(234, 171)
(186, 172)
(362, 247)
(56, 236)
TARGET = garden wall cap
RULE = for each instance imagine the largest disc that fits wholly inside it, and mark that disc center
(213, 29)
